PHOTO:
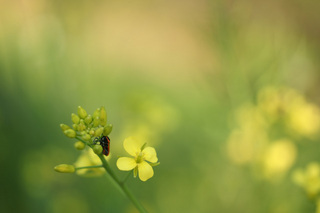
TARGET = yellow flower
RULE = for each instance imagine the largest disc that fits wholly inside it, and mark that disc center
(279, 156)
(309, 179)
(139, 162)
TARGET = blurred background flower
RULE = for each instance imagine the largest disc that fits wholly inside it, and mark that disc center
(226, 91)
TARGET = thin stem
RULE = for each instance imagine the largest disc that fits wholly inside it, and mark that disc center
(88, 144)
(121, 184)
(89, 167)
(126, 177)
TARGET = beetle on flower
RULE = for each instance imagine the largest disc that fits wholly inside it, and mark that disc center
(143, 159)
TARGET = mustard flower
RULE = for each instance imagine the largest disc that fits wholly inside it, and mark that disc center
(143, 159)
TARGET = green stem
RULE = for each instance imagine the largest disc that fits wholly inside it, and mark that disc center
(80, 139)
(126, 178)
(89, 167)
(121, 184)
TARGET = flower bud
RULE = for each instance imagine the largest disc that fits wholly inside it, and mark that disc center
(64, 127)
(82, 112)
(65, 168)
(97, 149)
(96, 113)
(75, 118)
(91, 132)
(103, 116)
(107, 129)
(154, 164)
(79, 145)
(96, 122)
(70, 133)
(86, 137)
(83, 132)
(98, 132)
(75, 127)
(88, 119)
(81, 126)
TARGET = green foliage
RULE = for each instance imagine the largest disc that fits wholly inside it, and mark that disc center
(175, 76)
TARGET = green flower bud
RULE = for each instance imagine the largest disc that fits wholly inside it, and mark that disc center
(64, 127)
(79, 145)
(98, 132)
(81, 126)
(91, 132)
(75, 118)
(96, 122)
(86, 137)
(70, 133)
(154, 164)
(107, 129)
(83, 132)
(97, 149)
(88, 119)
(65, 168)
(96, 113)
(75, 127)
(103, 116)
(82, 112)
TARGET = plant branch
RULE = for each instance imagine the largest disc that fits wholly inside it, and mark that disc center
(89, 167)
(121, 184)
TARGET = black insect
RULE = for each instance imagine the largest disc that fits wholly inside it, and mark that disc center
(105, 143)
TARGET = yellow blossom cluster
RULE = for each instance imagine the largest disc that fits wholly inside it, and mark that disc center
(301, 117)
(309, 179)
(264, 132)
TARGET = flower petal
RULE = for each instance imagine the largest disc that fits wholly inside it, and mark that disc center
(145, 171)
(132, 146)
(126, 164)
(150, 154)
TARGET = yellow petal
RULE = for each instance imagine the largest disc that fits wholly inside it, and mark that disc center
(145, 171)
(126, 164)
(132, 146)
(150, 154)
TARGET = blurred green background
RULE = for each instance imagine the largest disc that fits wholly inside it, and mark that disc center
(226, 91)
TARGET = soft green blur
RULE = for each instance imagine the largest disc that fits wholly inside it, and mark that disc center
(226, 91)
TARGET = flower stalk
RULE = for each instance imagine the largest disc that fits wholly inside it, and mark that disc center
(89, 167)
(92, 129)
(121, 184)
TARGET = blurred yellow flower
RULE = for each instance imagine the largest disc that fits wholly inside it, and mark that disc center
(251, 117)
(89, 158)
(278, 158)
(304, 118)
(247, 142)
(275, 101)
(301, 117)
(245, 145)
(141, 155)
(309, 179)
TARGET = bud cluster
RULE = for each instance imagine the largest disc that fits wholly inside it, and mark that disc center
(86, 126)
